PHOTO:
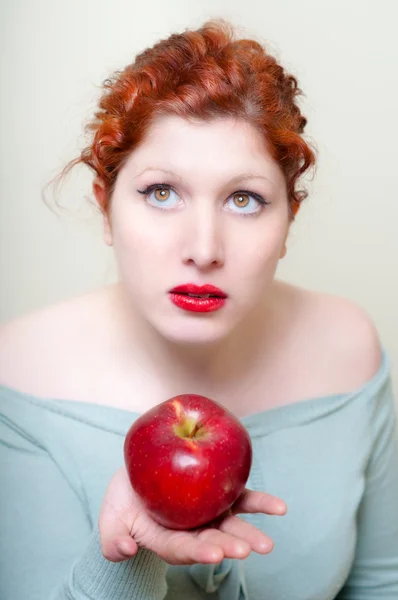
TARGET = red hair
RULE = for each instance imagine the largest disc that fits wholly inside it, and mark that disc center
(204, 74)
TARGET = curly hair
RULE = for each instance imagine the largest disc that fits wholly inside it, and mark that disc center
(204, 73)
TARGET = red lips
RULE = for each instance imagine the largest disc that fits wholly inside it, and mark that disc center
(199, 290)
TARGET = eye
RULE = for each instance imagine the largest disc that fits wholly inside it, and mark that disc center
(247, 202)
(162, 195)
(159, 195)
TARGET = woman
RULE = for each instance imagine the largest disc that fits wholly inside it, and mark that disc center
(197, 149)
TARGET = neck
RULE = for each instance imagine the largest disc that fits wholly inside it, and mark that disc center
(204, 365)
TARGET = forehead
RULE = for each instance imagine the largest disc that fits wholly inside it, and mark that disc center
(220, 148)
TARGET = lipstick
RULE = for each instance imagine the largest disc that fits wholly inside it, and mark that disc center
(198, 298)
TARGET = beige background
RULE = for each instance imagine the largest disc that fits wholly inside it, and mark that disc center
(55, 54)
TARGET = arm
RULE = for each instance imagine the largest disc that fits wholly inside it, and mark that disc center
(374, 574)
(94, 577)
(48, 550)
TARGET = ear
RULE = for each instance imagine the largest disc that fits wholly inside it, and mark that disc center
(284, 247)
(100, 194)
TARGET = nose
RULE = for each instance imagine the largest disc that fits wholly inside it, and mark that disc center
(203, 244)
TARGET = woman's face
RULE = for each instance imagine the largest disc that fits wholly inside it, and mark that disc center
(202, 221)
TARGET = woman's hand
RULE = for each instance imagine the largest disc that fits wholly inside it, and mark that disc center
(125, 526)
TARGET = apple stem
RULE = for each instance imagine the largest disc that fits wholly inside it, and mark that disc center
(188, 428)
(195, 430)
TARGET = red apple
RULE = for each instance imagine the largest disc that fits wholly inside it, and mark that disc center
(188, 459)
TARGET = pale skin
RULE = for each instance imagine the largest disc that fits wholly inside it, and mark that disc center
(124, 526)
(271, 336)
(199, 234)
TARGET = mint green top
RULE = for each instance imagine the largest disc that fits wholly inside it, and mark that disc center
(333, 459)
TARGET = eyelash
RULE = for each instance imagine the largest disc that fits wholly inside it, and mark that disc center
(166, 186)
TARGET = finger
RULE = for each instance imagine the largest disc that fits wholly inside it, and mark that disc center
(116, 543)
(184, 549)
(258, 502)
(126, 547)
(256, 539)
(173, 546)
(232, 546)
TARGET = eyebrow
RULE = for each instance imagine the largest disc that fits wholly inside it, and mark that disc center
(233, 180)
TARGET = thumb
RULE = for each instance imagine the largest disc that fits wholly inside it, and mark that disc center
(116, 543)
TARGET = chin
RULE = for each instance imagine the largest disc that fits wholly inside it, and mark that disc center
(203, 331)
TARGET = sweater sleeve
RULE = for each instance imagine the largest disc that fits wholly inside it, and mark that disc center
(374, 573)
(92, 577)
(49, 549)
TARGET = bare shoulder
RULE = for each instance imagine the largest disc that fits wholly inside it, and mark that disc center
(351, 335)
(339, 337)
(39, 348)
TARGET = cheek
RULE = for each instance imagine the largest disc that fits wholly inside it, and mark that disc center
(142, 242)
(259, 252)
